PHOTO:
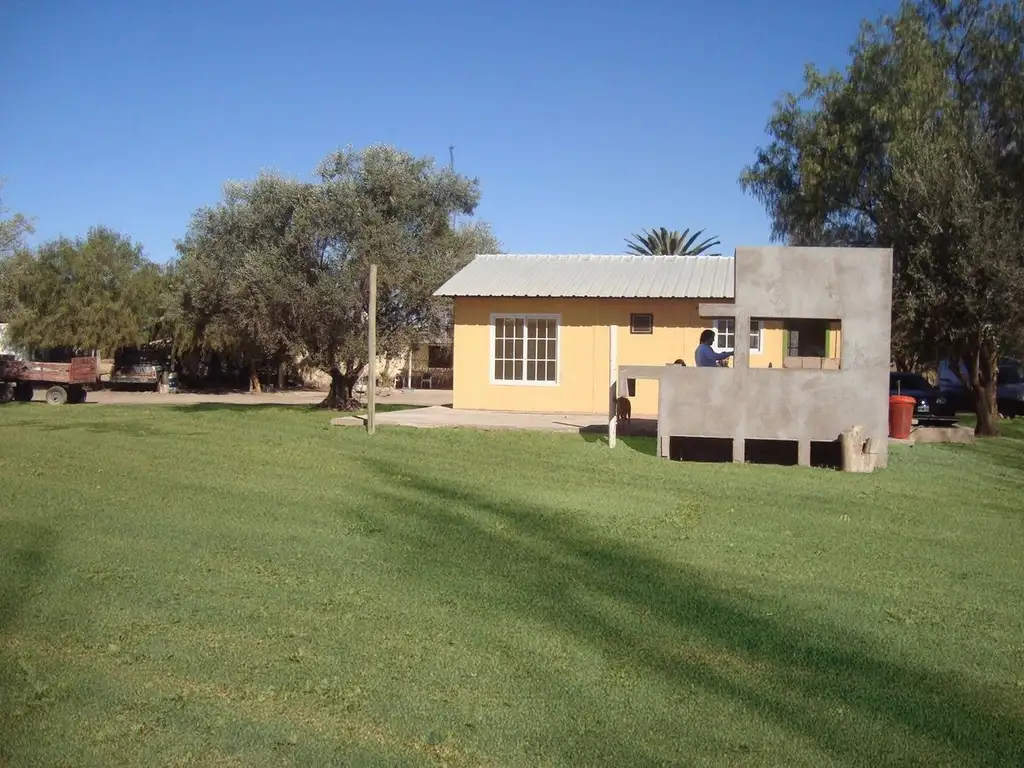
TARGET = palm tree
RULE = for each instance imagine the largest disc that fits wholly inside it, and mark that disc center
(661, 242)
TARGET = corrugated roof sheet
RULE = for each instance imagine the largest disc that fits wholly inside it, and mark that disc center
(595, 276)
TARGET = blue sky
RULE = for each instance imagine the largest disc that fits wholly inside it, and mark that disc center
(584, 122)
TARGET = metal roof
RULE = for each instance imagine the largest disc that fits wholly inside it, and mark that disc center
(595, 276)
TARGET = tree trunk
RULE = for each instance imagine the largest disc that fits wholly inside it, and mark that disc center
(254, 380)
(987, 412)
(340, 398)
(281, 368)
(983, 389)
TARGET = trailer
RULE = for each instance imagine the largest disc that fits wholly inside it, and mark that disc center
(63, 382)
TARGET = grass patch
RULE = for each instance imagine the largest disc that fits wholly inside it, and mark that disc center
(240, 586)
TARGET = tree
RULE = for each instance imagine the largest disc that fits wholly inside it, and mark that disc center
(282, 266)
(662, 242)
(13, 228)
(919, 146)
(244, 275)
(99, 293)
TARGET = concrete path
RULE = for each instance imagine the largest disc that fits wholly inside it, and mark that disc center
(439, 416)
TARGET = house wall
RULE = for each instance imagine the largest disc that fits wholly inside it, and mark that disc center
(583, 348)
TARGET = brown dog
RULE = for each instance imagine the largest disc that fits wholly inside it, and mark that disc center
(623, 410)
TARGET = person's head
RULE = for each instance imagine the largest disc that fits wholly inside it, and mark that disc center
(680, 361)
(707, 337)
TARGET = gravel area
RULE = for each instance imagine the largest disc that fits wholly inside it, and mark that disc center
(291, 397)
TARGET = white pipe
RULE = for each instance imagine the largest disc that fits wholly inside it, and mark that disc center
(613, 375)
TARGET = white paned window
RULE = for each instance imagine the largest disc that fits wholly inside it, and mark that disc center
(525, 349)
(725, 335)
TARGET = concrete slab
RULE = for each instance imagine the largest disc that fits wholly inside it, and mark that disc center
(438, 416)
(949, 434)
(954, 434)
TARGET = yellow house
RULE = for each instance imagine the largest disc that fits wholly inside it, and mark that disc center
(532, 333)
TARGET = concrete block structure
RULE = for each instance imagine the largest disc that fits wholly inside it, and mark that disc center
(818, 392)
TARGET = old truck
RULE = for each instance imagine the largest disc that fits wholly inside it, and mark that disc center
(63, 382)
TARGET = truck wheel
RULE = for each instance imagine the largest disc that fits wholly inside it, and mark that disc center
(23, 392)
(56, 395)
(6, 392)
(76, 395)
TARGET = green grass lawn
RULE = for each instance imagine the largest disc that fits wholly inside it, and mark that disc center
(248, 586)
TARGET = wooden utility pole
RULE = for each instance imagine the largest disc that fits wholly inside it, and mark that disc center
(371, 383)
(613, 382)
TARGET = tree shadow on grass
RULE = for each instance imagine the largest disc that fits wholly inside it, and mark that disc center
(25, 553)
(280, 408)
(243, 408)
(823, 683)
(127, 428)
(639, 443)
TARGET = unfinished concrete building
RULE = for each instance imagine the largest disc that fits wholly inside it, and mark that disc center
(836, 306)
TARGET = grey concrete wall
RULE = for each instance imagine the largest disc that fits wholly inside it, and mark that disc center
(851, 285)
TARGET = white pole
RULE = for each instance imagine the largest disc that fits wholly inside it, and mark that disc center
(408, 371)
(371, 384)
(613, 375)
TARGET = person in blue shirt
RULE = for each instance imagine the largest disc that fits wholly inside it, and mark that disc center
(705, 356)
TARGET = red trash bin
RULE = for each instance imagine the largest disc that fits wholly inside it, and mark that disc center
(901, 415)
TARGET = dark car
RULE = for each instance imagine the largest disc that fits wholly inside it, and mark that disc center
(932, 404)
(1010, 389)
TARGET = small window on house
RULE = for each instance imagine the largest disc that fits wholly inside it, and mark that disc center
(641, 323)
(725, 335)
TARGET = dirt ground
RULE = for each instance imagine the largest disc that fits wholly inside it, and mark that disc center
(291, 397)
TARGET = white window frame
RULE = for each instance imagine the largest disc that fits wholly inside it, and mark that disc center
(721, 321)
(524, 316)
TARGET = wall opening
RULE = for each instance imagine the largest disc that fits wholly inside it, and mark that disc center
(725, 335)
(827, 454)
(781, 452)
(813, 343)
(706, 449)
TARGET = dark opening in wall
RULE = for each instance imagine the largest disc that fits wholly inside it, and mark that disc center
(709, 449)
(827, 454)
(812, 343)
(782, 452)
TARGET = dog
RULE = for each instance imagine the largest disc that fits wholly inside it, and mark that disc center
(623, 410)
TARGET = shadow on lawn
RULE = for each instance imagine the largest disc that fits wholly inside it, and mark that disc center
(25, 551)
(280, 407)
(244, 408)
(822, 682)
(639, 443)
